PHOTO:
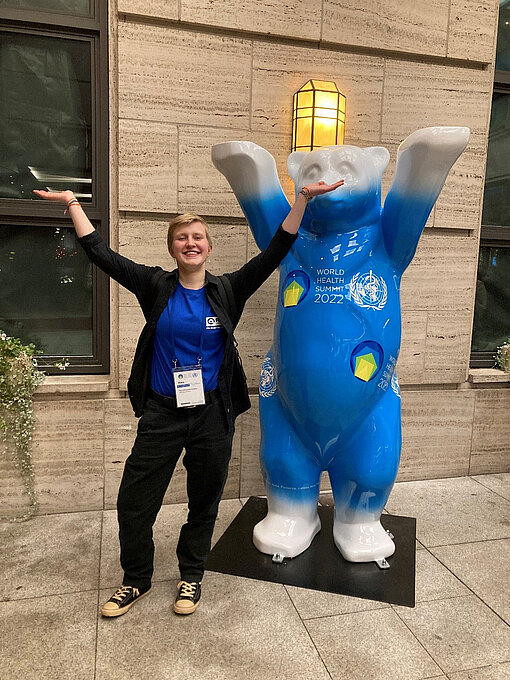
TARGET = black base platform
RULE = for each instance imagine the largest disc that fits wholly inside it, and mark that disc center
(321, 566)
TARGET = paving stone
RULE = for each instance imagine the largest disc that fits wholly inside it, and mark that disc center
(50, 554)
(49, 638)
(242, 628)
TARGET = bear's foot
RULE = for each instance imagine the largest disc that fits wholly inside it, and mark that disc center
(363, 541)
(287, 535)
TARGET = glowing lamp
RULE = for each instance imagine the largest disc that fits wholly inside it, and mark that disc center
(318, 117)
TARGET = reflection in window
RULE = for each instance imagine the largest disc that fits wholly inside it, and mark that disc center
(73, 7)
(45, 115)
(503, 46)
(46, 289)
(496, 205)
(492, 312)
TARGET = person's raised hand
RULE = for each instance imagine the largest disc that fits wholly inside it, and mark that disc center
(58, 196)
(311, 190)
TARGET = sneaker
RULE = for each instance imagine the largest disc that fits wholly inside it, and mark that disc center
(123, 598)
(187, 598)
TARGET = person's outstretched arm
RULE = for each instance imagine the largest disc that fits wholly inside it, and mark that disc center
(82, 224)
(133, 276)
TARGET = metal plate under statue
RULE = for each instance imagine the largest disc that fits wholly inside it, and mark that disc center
(329, 393)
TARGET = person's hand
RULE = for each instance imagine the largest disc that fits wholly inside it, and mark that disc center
(58, 196)
(311, 190)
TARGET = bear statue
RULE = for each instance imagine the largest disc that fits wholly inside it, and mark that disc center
(329, 394)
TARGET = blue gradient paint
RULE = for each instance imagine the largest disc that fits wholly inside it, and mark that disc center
(319, 407)
(316, 415)
(264, 215)
(401, 234)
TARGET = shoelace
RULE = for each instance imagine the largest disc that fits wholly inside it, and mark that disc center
(188, 589)
(123, 592)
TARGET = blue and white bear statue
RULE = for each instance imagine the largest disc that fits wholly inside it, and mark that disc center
(329, 394)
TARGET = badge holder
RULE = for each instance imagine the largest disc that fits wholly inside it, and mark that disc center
(189, 386)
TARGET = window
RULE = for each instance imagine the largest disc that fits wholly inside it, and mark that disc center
(492, 305)
(53, 135)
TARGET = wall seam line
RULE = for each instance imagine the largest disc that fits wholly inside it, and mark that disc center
(447, 45)
(292, 41)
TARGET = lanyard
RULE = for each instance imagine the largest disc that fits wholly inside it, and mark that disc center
(171, 329)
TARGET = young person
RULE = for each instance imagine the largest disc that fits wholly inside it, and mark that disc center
(186, 385)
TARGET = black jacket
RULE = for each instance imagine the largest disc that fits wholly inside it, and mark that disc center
(153, 286)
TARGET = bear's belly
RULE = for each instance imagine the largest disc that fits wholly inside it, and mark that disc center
(333, 363)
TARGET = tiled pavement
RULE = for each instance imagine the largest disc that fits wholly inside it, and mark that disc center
(58, 569)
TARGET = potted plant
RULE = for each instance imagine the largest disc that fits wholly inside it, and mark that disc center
(19, 377)
(503, 356)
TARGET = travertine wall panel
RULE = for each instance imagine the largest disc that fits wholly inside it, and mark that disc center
(131, 322)
(294, 18)
(436, 429)
(418, 95)
(411, 360)
(441, 275)
(462, 29)
(120, 432)
(459, 204)
(472, 29)
(68, 455)
(164, 9)
(202, 188)
(447, 346)
(147, 166)
(255, 334)
(144, 241)
(267, 294)
(408, 26)
(435, 347)
(280, 70)
(251, 483)
(177, 76)
(490, 450)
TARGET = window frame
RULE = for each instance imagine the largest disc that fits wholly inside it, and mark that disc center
(492, 235)
(94, 30)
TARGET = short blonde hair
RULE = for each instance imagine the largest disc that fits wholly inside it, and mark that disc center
(182, 220)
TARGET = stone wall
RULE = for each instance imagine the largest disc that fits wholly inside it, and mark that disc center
(188, 74)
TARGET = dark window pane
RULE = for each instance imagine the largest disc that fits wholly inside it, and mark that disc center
(46, 289)
(496, 202)
(45, 115)
(503, 47)
(492, 305)
(73, 7)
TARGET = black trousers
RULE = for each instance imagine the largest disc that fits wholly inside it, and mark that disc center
(163, 431)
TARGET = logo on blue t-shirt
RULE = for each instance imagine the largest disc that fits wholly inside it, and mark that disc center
(212, 322)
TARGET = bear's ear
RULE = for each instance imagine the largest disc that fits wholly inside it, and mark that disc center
(294, 162)
(380, 157)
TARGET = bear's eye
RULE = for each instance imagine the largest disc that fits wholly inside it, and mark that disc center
(344, 169)
(313, 172)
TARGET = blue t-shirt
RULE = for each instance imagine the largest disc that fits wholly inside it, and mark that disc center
(187, 315)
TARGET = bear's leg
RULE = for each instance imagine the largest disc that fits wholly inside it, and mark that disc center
(362, 475)
(292, 478)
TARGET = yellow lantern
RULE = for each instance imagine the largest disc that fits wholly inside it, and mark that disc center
(318, 117)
